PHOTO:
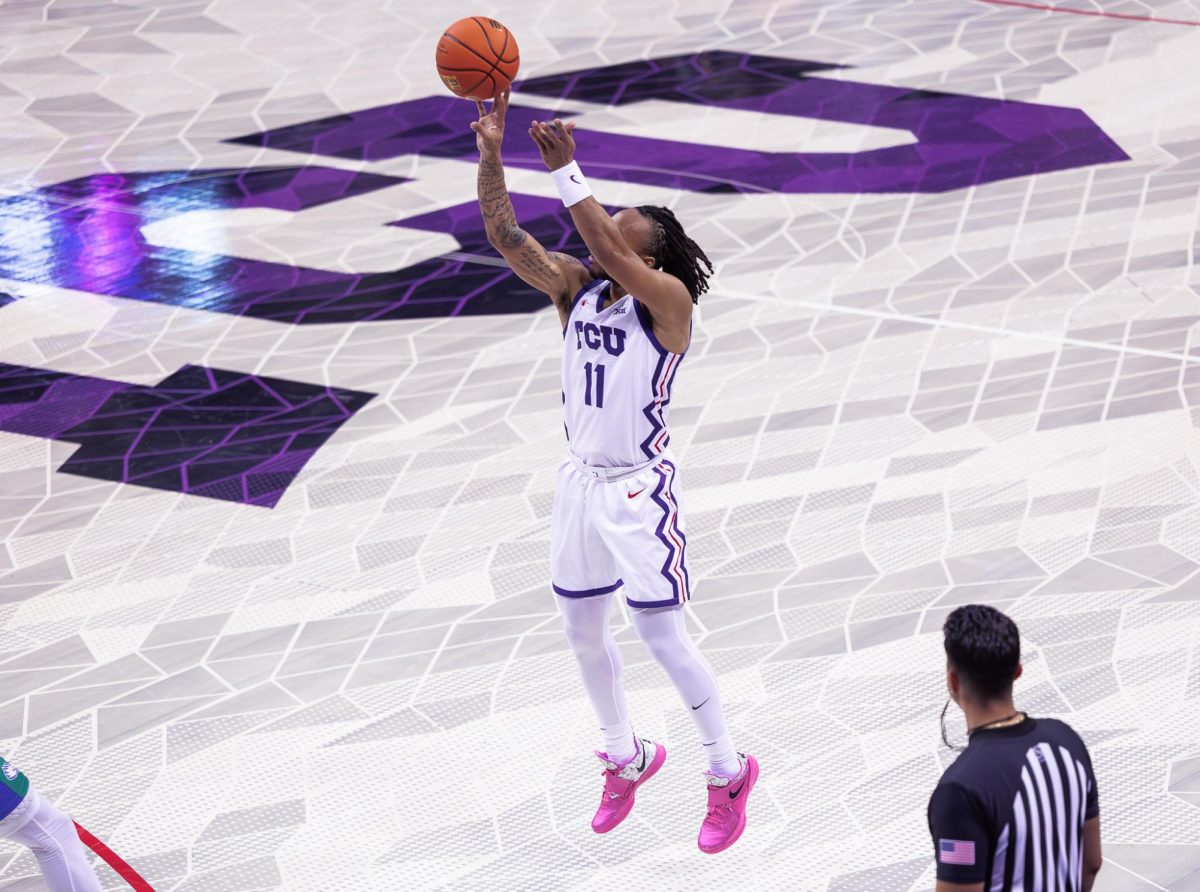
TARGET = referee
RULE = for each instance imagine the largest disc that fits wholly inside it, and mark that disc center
(1018, 811)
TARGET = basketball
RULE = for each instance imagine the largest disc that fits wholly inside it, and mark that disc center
(477, 58)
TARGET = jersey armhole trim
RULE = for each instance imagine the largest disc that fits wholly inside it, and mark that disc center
(602, 294)
(587, 286)
(647, 322)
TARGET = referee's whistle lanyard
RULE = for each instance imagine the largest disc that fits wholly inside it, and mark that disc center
(998, 723)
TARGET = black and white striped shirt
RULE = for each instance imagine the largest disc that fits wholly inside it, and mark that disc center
(1010, 811)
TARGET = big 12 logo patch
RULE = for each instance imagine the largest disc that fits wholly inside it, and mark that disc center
(273, 427)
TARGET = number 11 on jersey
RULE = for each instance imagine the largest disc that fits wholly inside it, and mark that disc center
(598, 370)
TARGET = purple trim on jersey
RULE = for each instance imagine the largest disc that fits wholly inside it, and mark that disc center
(687, 579)
(670, 602)
(647, 322)
(587, 592)
(648, 326)
(649, 409)
(587, 286)
(662, 409)
(673, 550)
(655, 408)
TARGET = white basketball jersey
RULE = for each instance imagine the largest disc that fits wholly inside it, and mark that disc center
(616, 380)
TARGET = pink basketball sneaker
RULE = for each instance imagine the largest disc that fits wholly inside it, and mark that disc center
(726, 818)
(621, 781)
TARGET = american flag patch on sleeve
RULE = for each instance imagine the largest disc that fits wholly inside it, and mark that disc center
(956, 851)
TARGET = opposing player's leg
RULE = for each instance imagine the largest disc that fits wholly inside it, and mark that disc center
(51, 837)
(584, 579)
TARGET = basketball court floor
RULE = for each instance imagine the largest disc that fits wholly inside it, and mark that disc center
(278, 432)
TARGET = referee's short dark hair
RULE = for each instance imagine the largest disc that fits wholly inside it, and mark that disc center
(983, 647)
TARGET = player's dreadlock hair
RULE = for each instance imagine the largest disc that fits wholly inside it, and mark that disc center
(674, 252)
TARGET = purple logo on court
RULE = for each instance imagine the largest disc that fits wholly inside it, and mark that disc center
(960, 141)
(243, 438)
(92, 227)
(207, 432)
(90, 238)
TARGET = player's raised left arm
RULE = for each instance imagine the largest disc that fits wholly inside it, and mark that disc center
(557, 275)
(664, 295)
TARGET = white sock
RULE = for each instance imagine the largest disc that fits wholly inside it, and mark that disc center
(619, 742)
(722, 757)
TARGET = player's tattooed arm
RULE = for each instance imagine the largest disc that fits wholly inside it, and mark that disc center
(556, 274)
(496, 207)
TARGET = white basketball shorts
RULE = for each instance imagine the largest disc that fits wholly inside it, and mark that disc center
(628, 532)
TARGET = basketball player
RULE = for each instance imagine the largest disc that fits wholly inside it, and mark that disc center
(616, 522)
(27, 817)
(1018, 810)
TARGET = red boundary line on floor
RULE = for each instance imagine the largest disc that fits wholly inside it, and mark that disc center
(1091, 12)
(113, 860)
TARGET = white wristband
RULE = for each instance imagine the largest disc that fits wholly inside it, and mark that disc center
(571, 185)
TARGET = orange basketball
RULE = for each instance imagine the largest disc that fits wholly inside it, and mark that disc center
(477, 58)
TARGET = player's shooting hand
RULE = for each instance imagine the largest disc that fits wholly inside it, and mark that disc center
(489, 129)
(554, 141)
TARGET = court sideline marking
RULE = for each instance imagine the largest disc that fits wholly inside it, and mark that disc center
(1091, 12)
(1059, 340)
(113, 860)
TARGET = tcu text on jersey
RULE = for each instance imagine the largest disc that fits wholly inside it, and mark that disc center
(616, 380)
(593, 336)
